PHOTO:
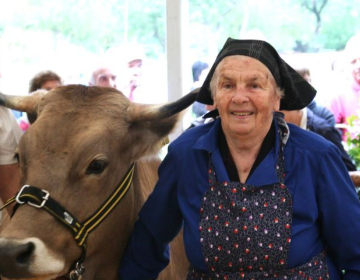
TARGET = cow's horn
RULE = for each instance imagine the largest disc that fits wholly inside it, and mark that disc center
(146, 112)
(22, 103)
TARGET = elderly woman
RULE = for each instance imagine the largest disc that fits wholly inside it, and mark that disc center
(257, 198)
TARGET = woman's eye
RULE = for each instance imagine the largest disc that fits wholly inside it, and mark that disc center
(96, 167)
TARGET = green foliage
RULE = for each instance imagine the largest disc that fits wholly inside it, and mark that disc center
(98, 25)
(147, 22)
(340, 23)
(288, 25)
(353, 139)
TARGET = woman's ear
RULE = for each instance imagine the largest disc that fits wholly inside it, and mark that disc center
(277, 104)
(214, 106)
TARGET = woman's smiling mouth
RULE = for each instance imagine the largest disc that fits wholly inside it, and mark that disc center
(242, 113)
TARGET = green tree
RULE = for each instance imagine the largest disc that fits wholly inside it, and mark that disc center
(301, 25)
(316, 7)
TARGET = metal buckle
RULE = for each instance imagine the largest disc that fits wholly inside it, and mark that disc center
(45, 198)
(17, 198)
(77, 272)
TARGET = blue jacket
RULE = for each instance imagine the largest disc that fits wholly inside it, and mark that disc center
(326, 209)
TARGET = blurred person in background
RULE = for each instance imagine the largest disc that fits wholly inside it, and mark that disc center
(209, 115)
(320, 120)
(308, 120)
(318, 110)
(347, 103)
(46, 80)
(10, 134)
(134, 59)
(138, 76)
(103, 77)
(200, 70)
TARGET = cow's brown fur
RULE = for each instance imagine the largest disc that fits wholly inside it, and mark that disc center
(75, 125)
(4, 220)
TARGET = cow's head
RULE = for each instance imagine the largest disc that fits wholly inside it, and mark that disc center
(83, 141)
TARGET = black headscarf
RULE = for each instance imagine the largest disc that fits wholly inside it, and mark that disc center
(298, 93)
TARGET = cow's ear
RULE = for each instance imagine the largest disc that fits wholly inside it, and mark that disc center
(150, 125)
(28, 104)
(147, 137)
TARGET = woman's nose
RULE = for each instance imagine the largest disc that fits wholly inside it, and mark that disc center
(240, 95)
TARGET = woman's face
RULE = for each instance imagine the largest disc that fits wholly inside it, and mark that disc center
(244, 93)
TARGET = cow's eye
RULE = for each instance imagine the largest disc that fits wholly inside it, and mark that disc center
(96, 167)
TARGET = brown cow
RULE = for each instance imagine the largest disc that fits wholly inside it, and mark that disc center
(82, 144)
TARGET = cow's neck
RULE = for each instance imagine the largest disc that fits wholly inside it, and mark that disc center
(105, 262)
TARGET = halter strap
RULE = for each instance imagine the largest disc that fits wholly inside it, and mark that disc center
(104, 210)
(41, 199)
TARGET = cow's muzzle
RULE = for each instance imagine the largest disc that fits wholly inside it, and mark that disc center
(15, 259)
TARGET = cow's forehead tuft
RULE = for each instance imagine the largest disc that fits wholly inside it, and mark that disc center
(81, 99)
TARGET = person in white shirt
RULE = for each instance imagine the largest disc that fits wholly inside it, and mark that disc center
(10, 134)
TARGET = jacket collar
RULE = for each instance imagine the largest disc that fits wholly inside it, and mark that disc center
(264, 174)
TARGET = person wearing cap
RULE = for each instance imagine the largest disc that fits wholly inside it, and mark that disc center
(134, 57)
(257, 198)
(347, 103)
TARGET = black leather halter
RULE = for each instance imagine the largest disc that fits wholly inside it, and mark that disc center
(41, 199)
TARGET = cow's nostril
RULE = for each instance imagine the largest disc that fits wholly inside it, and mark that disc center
(24, 256)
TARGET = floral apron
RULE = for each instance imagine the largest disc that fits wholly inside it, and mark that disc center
(245, 231)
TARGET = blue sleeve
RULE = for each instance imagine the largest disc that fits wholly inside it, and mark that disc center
(144, 258)
(339, 208)
(160, 220)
